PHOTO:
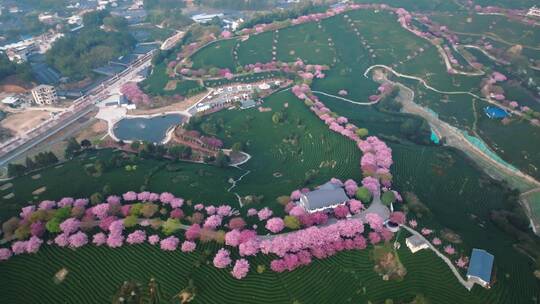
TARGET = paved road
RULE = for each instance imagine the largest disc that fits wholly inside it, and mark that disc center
(80, 107)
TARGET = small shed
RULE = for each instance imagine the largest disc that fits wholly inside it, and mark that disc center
(416, 243)
(480, 267)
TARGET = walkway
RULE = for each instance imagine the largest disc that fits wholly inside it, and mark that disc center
(468, 285)
(346, 99)
(470, 46)
(427, 86)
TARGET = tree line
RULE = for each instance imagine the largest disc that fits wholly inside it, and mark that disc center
(23, 71)
(103, 38)
(41, 160)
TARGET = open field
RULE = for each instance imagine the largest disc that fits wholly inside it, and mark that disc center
(307, 42)
(258, 48)
(216, 55)
(22, 122)
(156, 83)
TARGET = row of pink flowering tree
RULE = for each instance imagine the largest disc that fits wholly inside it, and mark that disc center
(160, 220)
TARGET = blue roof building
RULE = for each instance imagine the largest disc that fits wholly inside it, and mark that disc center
(495, 112)
(480, 267)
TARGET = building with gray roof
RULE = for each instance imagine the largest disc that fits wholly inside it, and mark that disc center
(328, 196)
(480, 267)
(416, 243)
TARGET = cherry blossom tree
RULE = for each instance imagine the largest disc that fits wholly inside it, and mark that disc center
(355, 206)
(153, 239)
(264, 213)
(99, 239)
(449, 249)
(275, 224)
(188, 246)
(426, 231)
(213, 221)
(240, 269)
(237, 223)
(136, 237)
(5, 254)
(169, 244)
(222, 258)
(232, 238)
(33, 244)
(78, 240)
(341, 211)
(193, 232)
(70, 225)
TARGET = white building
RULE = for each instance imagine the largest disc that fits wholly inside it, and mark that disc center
(202, 108)
(416, 243)
(534, 12)
(264, 86)
(205, 18)
(75, 19)
(19, 51)
(233, 25)
(12, 101)
(44, 94)
(47, 17)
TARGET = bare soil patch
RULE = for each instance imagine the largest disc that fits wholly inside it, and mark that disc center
(21, 122)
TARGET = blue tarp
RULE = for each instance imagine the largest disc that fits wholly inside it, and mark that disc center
(495, 112)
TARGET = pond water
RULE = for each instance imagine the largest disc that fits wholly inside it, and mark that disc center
(146, 129)
(434, 137)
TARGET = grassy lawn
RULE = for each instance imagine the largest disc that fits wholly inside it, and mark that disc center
(454, 109)
(305, 41)
(498, 26)
(219, 54)
(514, 143)
(258, 48)
(284, 153)
(155, 83)
(184, 179)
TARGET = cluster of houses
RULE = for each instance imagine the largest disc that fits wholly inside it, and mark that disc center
(230, 21)
(19, 51)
